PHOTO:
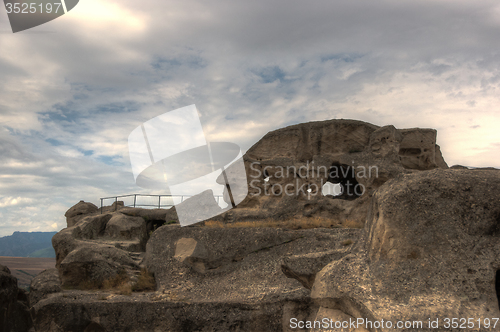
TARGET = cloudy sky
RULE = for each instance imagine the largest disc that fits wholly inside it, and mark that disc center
(72, 90)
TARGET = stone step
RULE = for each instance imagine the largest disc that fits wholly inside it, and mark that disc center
(137, 257)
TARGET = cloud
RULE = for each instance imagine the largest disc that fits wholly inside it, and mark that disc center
(69, 99)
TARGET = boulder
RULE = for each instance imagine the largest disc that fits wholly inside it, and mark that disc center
(93, 264)
(101, 228)
(123, 227)
(78, 211)
(65, 242)
(431, 250)
(14, 311)
(99, 247)
(92, 227)
(45, 283)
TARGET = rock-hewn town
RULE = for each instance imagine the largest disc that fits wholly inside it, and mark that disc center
(421, 242)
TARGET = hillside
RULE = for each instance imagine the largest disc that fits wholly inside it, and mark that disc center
(27, 244)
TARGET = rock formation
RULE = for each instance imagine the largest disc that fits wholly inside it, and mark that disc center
(79, 211)
(421, 241)
(14, 311)
(430, 250)
(288, 167)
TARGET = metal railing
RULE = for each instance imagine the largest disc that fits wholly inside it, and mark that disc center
(148, 201)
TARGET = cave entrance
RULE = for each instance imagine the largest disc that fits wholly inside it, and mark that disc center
(497, 287)
(152, 225)
(345, 186)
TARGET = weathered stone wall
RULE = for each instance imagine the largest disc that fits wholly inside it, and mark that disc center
(431, 250)
(292, 165)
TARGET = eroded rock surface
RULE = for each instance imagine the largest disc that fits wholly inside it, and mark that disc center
(297, 161)
(430, 250)
(235, 264)
(423, 243)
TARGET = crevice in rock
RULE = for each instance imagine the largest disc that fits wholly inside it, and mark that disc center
(276, 245)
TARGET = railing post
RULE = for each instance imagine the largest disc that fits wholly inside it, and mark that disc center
(159, 201)
(101, 205)
(116, 203)
(135, 198)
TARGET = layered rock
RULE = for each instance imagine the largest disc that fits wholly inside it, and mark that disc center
(99, 246)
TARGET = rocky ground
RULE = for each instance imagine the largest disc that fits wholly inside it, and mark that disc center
(421, 242)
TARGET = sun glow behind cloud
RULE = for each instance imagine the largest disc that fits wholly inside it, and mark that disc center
(100, 16)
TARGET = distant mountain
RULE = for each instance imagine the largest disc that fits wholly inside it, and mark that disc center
(46, 253)
(27, 244)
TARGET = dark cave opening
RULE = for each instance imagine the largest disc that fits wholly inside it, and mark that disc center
(152, 225)
(345, 176)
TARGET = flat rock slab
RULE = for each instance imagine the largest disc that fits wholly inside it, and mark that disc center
(235, 264)
(77, 311)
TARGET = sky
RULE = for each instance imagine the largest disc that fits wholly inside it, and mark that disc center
(73, 89)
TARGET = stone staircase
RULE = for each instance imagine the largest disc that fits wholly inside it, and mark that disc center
(137, 256)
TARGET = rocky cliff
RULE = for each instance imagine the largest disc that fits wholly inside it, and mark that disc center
(416, 241)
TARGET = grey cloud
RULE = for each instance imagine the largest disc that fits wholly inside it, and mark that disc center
(250, 67)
